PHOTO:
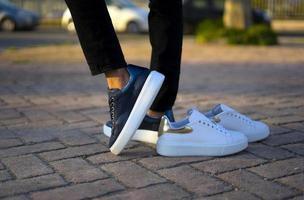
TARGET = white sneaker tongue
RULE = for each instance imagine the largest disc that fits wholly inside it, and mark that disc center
(225, 108)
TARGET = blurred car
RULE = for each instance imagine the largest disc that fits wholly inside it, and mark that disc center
(126, 17)
(13, 18)
(196, 11)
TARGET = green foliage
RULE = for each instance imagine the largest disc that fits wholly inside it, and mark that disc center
(212, 30)
(255, 35)
(209, 30)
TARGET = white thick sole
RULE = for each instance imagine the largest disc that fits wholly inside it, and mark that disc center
(140, 135)
(142, 104)
(172, 149)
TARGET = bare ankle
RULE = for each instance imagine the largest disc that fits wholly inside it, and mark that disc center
(117, 78)
(155, 114)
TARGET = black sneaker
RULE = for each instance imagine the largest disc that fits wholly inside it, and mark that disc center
(147, 131)
(129, 105)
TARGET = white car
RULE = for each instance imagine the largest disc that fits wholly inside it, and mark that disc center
(126, 17)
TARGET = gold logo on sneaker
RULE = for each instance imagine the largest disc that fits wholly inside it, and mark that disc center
(164, 127)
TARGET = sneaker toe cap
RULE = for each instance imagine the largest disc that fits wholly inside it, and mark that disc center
(262, 131)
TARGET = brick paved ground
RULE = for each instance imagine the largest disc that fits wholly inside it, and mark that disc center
(51, 146)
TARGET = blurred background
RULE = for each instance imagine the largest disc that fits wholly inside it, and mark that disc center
(221, 36)
(206, 20)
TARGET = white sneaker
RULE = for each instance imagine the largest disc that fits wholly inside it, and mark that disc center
(197, 135)
(233, 120)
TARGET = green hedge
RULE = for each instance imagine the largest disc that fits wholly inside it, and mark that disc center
(212, 30)
(209, 30)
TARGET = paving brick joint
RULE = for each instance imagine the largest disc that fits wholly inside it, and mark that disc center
(52, 146)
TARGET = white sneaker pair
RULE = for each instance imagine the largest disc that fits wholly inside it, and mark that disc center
(222, 131)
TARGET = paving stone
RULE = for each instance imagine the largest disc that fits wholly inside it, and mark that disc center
(92, 130)
(21, 197)
(98, 114)
(35, 148)
(295, 181)
(103, 139)
(276, 130)
(268, 152)
(139, 152)
(70, 116)
(298, 197)
(160, 162)
(77, 170)
(6, 134)
(6, 143)
(70, 152)
(285, 119)
(295, 126)
(75, 138)
(132, 174)
(5, 176)
(195, 181)
(79, 191)
(272, 112)
(14, 121)
(161, 191)
(297, 148)
(80, 125)
(40, 100)
(256, 185)
(8, 114)
(14, 100)
(284, 139)
(37, 114)
(37, 134)
(15, 187)
(20, 129)
(280, 168)
(1, 166)
(229, 163)
(234, 195)
(26, 166)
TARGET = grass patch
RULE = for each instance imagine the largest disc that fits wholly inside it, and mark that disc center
(213, 30)
(21, 62)
(11, 49)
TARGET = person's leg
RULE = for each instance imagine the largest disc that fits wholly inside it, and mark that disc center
(129, 98)
(99, 41)
(166, 35)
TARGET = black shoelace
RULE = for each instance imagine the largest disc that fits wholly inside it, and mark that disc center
(112, 109)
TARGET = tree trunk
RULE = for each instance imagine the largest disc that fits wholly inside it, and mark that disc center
(238, 14)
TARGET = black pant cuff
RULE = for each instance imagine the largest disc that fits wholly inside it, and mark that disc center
(97, 69)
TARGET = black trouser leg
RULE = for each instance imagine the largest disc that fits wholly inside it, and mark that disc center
(103, 52)
(166, 37)
(96, 35)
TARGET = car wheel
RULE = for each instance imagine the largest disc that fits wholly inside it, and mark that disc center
(132, 27)
(8, 25)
